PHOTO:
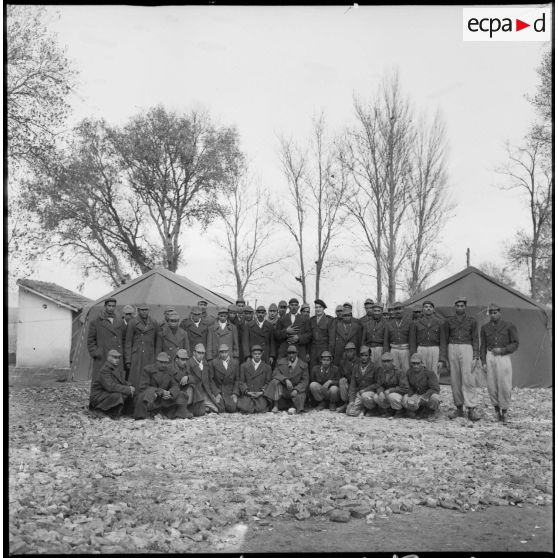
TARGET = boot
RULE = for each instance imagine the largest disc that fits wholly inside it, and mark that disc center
(332, 406)
(411, 414)
(321, 406)
(275, 409)
(498, 415)
(456, 413)
(399, 413)
(342, 409)
(504, 416)
(474, 414)
(434, 416)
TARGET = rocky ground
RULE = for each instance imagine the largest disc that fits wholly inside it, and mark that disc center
(80, 484)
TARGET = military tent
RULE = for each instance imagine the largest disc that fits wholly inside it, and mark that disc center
(157, 288)
(532, 362)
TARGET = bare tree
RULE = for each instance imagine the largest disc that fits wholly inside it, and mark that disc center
(542, 102)
(500, 273)
(248, 232)
(528, 171)
(429, 206)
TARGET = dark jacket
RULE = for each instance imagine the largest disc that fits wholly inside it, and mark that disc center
(102, 336)
(169, 342)
(463, 331)
(390, 381)
(109, 380)
(323, 337)
(251, 379)
(428, 332)
(226, 379)
(397, 332)
(141, 340)
(252, 335)
(374, 332)
(196, 334)
(361, 380)
(422, 382)
(322, 376)
(217, 336)
(160, 380)
(201, 380)
(501, 335)
(304, 335)
(298, 374)
(345, 333)
(346, 368)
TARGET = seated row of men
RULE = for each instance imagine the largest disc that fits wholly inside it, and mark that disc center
(192, 387)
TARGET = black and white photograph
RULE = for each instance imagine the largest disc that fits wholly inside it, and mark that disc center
(279, 279)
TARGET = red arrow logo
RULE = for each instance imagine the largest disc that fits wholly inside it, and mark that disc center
(519, 25)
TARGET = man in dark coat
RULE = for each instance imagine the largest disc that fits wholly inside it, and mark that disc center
(225, 372)
(374, 332)
(206, 397)
(293, 329)
(141, 340)
(345, 374)
(172, 337)
(222, 332)
(499, 340)
(197, 329)
(282, 308)
(110, 391)
(207, 318)
(259, 332)
(159, 392)
(346, 331)
(368, 314)
(322, 328)
(247, 321)
(289, 384)
(105, 333)
(253, 382)
(390, 385)
(179, 369)
(396, 340)
(362, 382)
(324, 383)
(272, 314)
(128, 312)
(424, 390)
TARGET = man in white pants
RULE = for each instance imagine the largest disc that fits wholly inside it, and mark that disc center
(463, 357)
(498, 340)
(396, 338)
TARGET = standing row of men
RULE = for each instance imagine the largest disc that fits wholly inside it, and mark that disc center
(452, 342)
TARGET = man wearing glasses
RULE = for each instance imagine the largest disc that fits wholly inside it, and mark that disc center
(172, 337)
(498, 340)
(463, 357)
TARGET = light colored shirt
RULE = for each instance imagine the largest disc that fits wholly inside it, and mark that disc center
(256, 364)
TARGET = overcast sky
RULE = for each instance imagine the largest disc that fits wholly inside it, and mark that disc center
(267, 70)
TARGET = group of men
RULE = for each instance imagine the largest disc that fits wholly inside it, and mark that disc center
(283, 359)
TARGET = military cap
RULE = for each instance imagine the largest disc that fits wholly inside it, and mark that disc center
(143, 307)
(347, 305)
(182, 353)
(365, 348)
(338, 308)
(272, 306)
(387, 356)
(461, 299)
(416, 358)
(202, 302)
(326, 354)
(169, 309)
(493, 306)
(199, 347)
(292, 349)
(347, 311)
(223, 347)
(283, 303)
(350, 345)
(233, 308)
(163, 357)
(196, 310)
(241, 301)
(377, 305)
(305, 305)
(417, 308)
(320, 302)
(222, 310)
(114, 353)
(248, 309)
(261, 308)
(257, 348)
(110, 300)
(368, 301)
(293, 301)
(428, 302)
(397, 305)
(173, 314)
(128, 309)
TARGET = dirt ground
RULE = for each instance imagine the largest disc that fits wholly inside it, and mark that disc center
(83, 485)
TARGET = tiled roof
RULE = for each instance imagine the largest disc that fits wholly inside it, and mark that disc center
(56, 292)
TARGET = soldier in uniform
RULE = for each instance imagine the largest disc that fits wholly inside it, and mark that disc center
(272, 314)
(368, 314)
(172, 337)
(362, 382)
(339, 312)
(282, 308)
(424, 390)
(293, 329)
(197, 329)
(322, 328)
(324, 383)
(345, 374)
(374, 333)
(253, 382)
(463, 357)
(390, 386)
(222, 332)
(226, 377)
(209, 320)
(498, 341)
(260, 332)
(346, 331)
(128, 312)
(396, 340)
(206, 397)
(305, 310)
(427, 337)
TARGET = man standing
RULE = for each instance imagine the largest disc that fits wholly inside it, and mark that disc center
(105, 333)
(128, 313)
(165, 320)
(197, 330)
(206, 397)
(346, 331)
(324, 383)
(339, 312)
(390, 385)
(293, 329)
(172, 337)
(362, 382)
(463, 356)
(288, 386)
(222, 332)
(253, 381)
(272, 314)
(424, 390)
(498, 340)
(259, 332)
(322, 328)
(141, 339)
(374, 333)
(240, 304)
(305, 310)
(345, 374)
(282, 307)
(179, 369)
(368, 314)
(209, 320)
(159, 392)
(226, 377)
(427, 337)
(396, 340)
(110, 392)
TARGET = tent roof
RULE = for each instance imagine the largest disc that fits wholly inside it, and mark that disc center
(56, 293)
(479, 289)
(161, 286)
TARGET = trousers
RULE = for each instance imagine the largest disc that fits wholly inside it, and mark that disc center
(499, 380)
(430, 357)
(463, 385)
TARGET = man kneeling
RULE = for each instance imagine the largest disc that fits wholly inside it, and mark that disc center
(390, 387)
(159, 392)
(254, 377)
(109, 391)
(424, 390)
(324, 386)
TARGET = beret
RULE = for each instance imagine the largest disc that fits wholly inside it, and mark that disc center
(338, 307)
(416, 358)
(169, 309)
(320, 302)
(233, 308)
(283, 302)
(143, 307)
(347, 305)
(196, 310)
(377, 305)
(397, 305)
(387, 356)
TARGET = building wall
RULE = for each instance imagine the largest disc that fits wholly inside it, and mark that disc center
(44, 333)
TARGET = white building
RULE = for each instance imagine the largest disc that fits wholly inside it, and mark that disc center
(47, 324)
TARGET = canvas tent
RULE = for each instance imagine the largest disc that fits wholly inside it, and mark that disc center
(532, 362)
(158, 288)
